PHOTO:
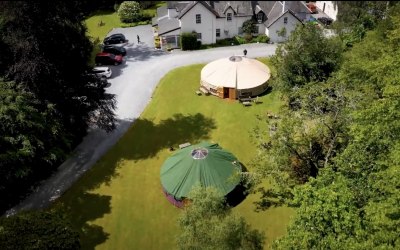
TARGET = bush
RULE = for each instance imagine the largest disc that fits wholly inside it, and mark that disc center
(248, 37)
(189, 41)
(129, 11)
(261, 39)
(240, 40)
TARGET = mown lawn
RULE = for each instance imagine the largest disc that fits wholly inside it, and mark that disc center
(118, 204)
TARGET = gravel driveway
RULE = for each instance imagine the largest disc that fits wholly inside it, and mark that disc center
(133, 83)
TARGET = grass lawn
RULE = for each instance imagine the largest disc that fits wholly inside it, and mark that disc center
(118, 204)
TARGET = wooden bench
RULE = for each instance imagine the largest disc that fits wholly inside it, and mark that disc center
(247, 103)
(184, 145)
(204, 90)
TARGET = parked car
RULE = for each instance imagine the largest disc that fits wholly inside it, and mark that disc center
(108, 59)
(102, 71)
(114, 39)
(116, 50)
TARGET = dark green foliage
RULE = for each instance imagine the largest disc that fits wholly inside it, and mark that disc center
(48, 110)
(208, 224)
(37, 230)
(189, 41)
(353, 202)
(307, 57)
(32, 140)
(248, 26)
(355, 18)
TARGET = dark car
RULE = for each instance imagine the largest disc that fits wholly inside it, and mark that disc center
(108, 58)
(114, 39)
(116, 50)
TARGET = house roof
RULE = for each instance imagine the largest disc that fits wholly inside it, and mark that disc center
(192, 4)
(270, 22)
(178, 5)
(279, 9)
(265, 6)
(241, 8)
(162, 11)
(167, 25)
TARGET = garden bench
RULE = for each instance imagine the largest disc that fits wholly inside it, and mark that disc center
(184, 145)
(247, 103)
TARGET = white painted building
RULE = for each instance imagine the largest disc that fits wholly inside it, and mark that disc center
(330, 8)
(214, 20)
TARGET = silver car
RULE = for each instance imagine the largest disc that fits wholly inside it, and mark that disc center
(102, 71)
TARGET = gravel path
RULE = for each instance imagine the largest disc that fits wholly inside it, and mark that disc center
(133, 83)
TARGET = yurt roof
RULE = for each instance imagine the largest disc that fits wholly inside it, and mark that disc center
(204, 164)
(224, 72)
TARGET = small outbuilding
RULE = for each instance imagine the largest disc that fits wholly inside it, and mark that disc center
(205, 164)
(235, 77)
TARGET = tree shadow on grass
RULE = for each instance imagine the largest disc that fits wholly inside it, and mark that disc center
(145, 138)
(240, 192)
(87, 207)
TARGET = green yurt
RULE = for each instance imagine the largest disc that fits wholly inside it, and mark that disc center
(205, 164)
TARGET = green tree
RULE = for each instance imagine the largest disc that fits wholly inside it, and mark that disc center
(353, 203)
(45, 52)
(207, 223)
(306, 57)
(32, 140)
(249, 26)
(129, 11)
(37, 230)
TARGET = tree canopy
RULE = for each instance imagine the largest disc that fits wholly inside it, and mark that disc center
(207, 223)
(48, 98)
(345, 126)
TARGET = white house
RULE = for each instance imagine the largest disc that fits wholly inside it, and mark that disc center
(214, 20)
(330, 8)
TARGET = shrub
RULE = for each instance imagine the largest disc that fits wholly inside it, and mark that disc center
(240, 40)
(261, 39)
(129, 11)
(189, 41)
(248, 26)
(248, 37)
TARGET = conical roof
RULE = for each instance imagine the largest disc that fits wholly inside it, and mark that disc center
(236, 72)
(203, 164)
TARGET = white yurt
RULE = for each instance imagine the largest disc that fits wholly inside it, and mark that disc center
(234, 77)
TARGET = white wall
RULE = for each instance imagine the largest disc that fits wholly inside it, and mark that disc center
(331, 8)
(206, 27)
(277, 26)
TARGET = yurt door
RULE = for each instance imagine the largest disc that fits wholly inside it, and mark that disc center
(226, 92)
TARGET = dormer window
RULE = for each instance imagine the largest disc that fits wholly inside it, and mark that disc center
(260, 17)
(198, 18)
(229, 17)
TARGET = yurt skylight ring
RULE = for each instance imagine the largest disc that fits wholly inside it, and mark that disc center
(199, 153)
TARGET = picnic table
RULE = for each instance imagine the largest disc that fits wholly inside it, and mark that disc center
(247, 103)
(184, 145)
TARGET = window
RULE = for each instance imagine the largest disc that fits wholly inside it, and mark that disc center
(218, 33)
(285, 20)
(229, 17)
(198, 36)
(198, 18)
(260, 17)
(255, 29)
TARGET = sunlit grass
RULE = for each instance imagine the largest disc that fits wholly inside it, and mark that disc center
(118, 204)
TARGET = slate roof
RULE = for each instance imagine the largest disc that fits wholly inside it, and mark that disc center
(167, 25)
(265, 6)
(241, 8)
(279, 9)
